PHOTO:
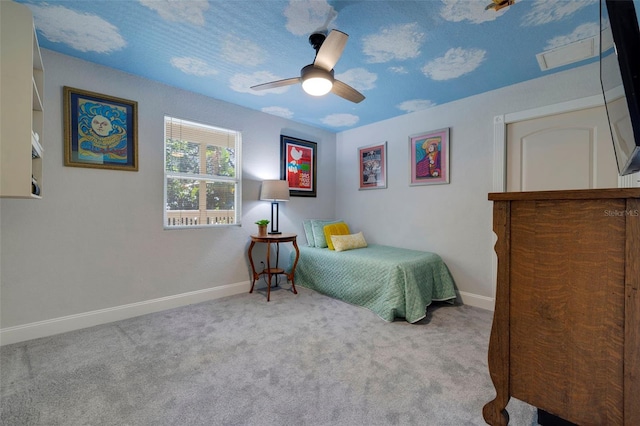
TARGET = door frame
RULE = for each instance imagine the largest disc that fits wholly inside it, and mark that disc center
(500, 123)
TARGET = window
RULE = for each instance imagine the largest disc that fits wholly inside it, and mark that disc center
(201, 174)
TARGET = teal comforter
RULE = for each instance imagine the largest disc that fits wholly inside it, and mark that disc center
(392, 282)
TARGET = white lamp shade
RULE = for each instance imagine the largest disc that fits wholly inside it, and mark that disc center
(317, 86)
(275, 190)
(316, 81)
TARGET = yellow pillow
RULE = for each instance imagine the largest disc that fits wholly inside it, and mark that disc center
(348, 242)
(339, 228)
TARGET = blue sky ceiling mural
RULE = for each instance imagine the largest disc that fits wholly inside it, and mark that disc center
(403, 56)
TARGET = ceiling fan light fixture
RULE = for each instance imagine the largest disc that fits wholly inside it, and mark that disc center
(317, 86)
(316, 81)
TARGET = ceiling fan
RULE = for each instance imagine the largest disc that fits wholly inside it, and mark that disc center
(317, 78)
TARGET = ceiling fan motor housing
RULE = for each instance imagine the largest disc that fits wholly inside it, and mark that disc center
(316, 40)
(316, 81)
(311, 71)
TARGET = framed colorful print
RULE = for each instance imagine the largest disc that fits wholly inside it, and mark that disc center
(298, 166)
(100, 131)
(429, 157)
(373, 166)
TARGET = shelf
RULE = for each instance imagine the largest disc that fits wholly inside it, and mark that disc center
(36, 99)
(273, 271)
(22, 103)
(36, 148)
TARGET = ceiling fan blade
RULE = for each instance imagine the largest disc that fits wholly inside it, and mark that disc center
(345, 91)
(277, 83)
(331, 50)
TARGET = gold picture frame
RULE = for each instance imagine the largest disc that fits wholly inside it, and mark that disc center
(100, 131)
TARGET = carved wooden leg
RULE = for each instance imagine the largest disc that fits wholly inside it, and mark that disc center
(495, 412)
(254, 276)
(268, 272)
(293, 268)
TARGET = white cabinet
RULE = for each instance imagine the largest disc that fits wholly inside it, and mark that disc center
(21, 103)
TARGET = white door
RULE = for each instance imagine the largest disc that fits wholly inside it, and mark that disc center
(571, 150)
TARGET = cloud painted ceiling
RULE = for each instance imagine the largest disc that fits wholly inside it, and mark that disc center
(402, 55)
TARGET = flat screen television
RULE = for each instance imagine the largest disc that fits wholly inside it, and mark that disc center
(620, 79)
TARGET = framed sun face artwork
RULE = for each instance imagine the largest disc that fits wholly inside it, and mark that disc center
(429, 157)
(373, 166)
(298, 166)
(100, 131)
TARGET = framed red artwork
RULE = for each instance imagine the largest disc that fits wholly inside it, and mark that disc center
(298, 165)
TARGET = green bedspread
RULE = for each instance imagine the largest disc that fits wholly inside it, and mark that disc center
(392, 282)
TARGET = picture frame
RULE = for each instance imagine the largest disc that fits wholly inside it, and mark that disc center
(372, 160)
(429, 157)
(100, 131)
(298, 166)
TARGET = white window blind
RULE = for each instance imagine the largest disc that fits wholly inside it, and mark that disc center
(202, 175)
(199, 133)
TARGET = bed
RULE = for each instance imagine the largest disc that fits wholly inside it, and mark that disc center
(390, 281)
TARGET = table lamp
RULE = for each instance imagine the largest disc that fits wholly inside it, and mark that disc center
(274, 191)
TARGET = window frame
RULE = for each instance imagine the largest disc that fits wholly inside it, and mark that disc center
(204, 178)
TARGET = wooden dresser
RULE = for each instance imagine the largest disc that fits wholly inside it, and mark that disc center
(565, 335)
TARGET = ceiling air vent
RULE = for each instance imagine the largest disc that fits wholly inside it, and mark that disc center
(570, 53)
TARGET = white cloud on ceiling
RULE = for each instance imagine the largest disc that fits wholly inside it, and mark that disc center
(398, 70)
(415, 105)
(472, 11)
(396, 42)
(191, 11)
(279, 111)
(193, 66)
(455, 63)
(242, 83)
(242, 51)
(340, 120)
(581, 32)
(81, 31)
(358, 78)
(544, 11)
(307, 16)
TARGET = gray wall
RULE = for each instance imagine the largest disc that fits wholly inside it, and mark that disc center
(96, 242)
(453, 220)
(96, 239)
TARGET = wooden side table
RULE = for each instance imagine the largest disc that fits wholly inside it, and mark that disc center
(268, 270)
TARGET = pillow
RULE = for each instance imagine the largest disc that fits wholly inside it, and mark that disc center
(308, 232)
(318, 232)
(339, 228)
(348, 242)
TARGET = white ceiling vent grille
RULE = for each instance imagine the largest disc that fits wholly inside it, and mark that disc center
(569, 53)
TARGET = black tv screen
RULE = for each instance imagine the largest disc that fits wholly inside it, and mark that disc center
(620, 79)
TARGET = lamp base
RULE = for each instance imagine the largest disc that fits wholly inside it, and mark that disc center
(275, 232)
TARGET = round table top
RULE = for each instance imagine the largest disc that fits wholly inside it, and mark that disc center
(274, 237)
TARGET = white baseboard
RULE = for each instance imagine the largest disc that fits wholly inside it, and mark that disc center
(50, 327)
(482, 302)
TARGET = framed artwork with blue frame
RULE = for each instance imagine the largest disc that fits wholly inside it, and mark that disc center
(100, 131)
(429, 152)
